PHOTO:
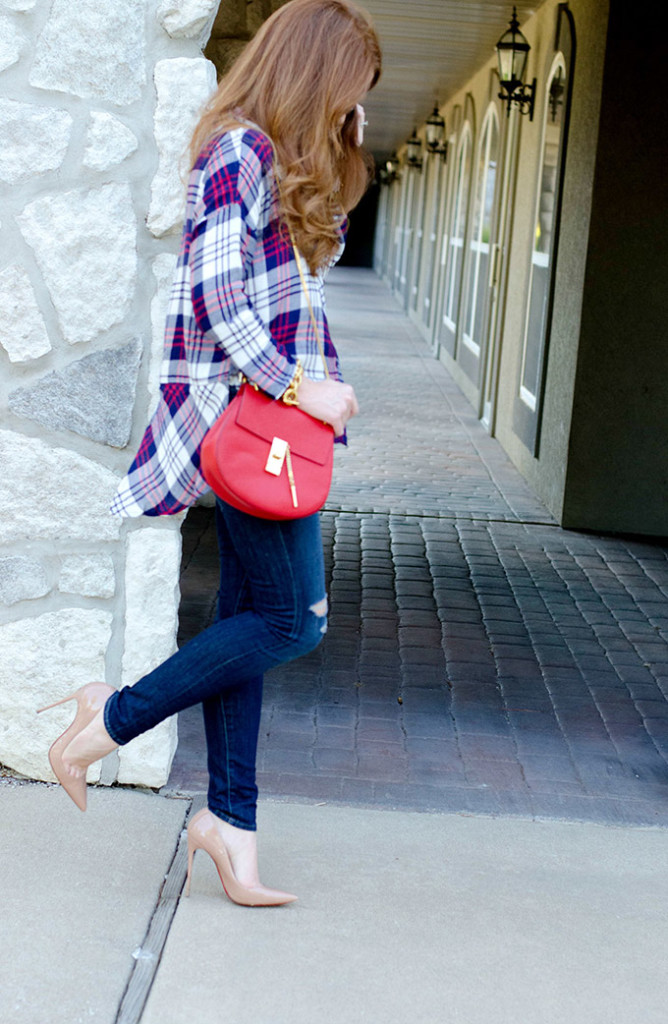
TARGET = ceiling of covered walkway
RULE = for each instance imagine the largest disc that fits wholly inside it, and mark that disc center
(430, 50)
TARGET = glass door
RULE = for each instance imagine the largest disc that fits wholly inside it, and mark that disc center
(455, 243)
(475, 319)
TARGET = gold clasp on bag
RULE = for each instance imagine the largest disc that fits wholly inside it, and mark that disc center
(276, 456)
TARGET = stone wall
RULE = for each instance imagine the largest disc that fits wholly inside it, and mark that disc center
(97, 102)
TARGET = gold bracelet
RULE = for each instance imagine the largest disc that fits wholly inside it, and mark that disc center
(289, 396)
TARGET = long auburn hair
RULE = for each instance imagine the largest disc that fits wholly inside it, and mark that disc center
(297, 79)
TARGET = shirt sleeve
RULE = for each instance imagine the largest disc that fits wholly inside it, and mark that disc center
(233, 199)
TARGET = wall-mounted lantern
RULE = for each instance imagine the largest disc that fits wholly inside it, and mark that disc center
(391, 169)
(435, 128)
(414, 151)
(512, 51)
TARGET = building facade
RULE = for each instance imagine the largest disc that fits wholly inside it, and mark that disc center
(533, 260)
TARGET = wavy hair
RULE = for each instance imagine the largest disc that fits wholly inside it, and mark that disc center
(299, 80)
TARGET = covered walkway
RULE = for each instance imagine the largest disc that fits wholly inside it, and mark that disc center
(479, 658)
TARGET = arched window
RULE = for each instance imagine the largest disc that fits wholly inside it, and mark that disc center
(531, 383)
(437, 198)
(424, 197)
(479, 244)
(456, 234)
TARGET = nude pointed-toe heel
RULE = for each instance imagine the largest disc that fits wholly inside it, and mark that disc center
(204, 835)
(90, 699)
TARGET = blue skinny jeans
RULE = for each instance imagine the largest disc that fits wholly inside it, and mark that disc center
(272, 608)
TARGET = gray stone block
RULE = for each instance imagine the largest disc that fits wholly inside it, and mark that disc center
(93, 397)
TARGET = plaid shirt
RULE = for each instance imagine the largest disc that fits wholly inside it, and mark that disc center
(236, 304)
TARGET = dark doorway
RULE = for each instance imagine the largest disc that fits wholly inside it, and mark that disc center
(359, 244)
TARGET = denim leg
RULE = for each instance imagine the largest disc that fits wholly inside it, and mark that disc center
(232, 718)
(284, 568)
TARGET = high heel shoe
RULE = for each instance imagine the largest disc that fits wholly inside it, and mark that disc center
(203, 834)
(90, 699)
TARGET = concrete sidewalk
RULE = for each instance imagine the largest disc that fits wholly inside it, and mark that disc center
(77, 892)
(403, 918)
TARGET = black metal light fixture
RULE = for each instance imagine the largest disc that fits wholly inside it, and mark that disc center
(413, 151)
(435, 128)
(512, 51)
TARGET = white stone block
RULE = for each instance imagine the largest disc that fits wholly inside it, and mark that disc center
(23, 332)
(34, 139)
(164, 266)
(18, 5)
(187, 18)
(108, 141)
(21, 579)
(86, 247)
(183, 86)
(151, 621)
(146, 760)
(12, 41)
(48, 493)
(88, 575)
(93, 49)
(42, 660)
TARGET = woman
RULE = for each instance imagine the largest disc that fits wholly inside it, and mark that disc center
(277, 149)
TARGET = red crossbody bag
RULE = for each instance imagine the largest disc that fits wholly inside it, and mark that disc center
(267, 458)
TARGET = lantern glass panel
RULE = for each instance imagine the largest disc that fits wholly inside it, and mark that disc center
(519, 64)
(506, 57)
(413, 147)
(435, 130)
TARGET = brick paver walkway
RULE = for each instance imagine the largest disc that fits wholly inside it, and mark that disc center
(478, 657)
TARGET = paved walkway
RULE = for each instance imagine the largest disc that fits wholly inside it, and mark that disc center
(478, 658)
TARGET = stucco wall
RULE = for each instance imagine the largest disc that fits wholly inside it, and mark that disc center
(547, 474)
(97, 101)
(618, 457)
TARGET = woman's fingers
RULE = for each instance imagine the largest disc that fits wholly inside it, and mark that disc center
(328, 400)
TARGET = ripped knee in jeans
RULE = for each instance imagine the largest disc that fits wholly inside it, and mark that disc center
(319, 609)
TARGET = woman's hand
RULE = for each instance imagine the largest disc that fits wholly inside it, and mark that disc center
(328, 400)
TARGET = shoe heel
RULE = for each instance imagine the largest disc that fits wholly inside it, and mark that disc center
(191, 854)
(193, 844)
(63, 700)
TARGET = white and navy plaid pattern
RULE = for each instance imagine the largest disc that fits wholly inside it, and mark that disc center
(236, 304)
